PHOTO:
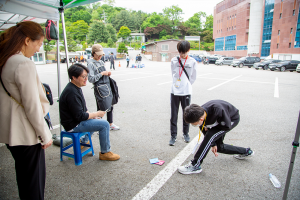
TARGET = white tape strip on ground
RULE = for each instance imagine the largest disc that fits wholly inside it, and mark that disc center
(162, 177)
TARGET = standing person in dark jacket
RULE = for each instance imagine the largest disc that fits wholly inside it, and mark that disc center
(75, 117)
(112, 61)
(215, 118)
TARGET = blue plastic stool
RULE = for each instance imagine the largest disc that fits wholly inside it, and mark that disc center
(77, 156)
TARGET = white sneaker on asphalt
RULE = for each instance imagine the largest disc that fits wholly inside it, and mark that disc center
(189, 169)
(243, 156)
(114, 127)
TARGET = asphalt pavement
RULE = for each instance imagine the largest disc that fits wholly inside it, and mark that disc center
(269, 107)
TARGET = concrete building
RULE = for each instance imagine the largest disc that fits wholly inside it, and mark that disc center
(163, 50)
(257, 27)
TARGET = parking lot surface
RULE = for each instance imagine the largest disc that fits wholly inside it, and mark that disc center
(269, 106)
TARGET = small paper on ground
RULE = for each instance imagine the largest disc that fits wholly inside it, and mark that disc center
(153, 160)
(160, 162)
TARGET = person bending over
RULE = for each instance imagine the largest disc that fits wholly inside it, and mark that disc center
(215, 118)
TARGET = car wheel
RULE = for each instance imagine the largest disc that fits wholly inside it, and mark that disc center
(272, 69)
(233, 66)
(291, 70)
(265, 67)
(249, 66)
(241, 65)
(298, 71)
(256, 68)
(282, 69)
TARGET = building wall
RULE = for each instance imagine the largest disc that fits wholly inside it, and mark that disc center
(257, 29)
(289, 11)
(231, 19)
(160, 54)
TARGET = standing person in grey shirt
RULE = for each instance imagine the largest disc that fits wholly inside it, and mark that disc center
(112, 61)
(98, 73)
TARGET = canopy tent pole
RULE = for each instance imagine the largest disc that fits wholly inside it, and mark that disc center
(58, 68)
(61, 10)
(295, 146)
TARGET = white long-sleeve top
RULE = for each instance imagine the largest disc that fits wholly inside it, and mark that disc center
(185, 87)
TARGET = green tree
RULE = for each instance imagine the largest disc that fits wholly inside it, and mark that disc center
(48, 46)
(162, 33)
(197, 21)
(81, 15)
(95, 15)
(112, 32)
(98, 32)
(208, 36)
(173, 13)
(122, 48)
(209, 23)
(124, 32)
(123, 18)
(154, 19)
(79, 30)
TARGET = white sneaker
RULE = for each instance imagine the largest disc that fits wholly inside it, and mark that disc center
(114, 127)
(189, 169)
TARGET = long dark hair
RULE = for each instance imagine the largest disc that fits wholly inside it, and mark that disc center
(13, 39)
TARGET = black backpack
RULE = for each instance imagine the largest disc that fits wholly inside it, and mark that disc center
(51, 30)
(114, 90)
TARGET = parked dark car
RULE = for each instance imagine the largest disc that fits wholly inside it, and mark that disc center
(245, 61)
(224, 61)
(265, 64)
(212, 59)
(290, 65)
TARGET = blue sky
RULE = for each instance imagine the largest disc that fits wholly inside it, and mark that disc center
(189, 7)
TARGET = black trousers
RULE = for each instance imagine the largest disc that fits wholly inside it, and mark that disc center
(127, 63)
(175, 101)
(217, 136)
(30, 170)
(112, 65)
(109, 114)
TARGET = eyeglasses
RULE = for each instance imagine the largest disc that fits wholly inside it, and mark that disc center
(84, 77)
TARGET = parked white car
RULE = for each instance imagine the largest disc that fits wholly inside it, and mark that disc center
(298, 68)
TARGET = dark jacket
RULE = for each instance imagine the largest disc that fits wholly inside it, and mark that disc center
(72, 107)
(221, 112)
(111, 58)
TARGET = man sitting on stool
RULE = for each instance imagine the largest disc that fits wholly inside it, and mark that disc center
(75, 117)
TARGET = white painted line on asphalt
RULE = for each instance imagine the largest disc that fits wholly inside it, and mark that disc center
(162, 177)
(172, 81)
(224, 82)
(165, 83)
(203, 75)
(143, 77)
(276, 90)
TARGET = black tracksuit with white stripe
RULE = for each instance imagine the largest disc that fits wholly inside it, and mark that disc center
(221, 118)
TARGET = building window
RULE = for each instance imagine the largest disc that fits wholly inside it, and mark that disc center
(227, 29)
(242, 48)
(293, 12)
(235, 15)
(297, 34)
(267, 28)
(232, 28)
(219, 44)
(230, 42)
(278, 32)
(291, 30)
(221, 30)
(165, 47)
(277, 46)
(280, 15)
(290, 45)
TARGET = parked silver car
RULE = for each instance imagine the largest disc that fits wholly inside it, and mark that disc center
(298, 68)
(224, 61)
